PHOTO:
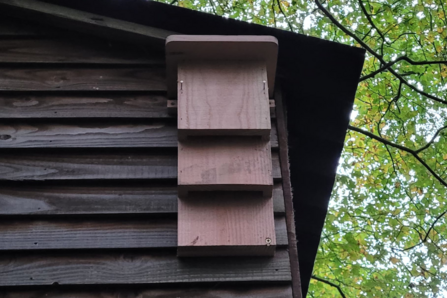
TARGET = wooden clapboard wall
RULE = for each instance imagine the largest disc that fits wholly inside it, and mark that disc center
(88, 169)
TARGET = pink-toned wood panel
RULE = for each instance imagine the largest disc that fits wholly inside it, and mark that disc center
(223, 48)
(226, 223)
(225, 163)
(223, 98)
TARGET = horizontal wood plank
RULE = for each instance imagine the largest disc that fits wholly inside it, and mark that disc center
(75, 51)
(98, 234)
(210, 291)
(93, 135)
(86, 23)
(94, 166)
(84, 106)
(87, 106)
(82, 200)
(91, 166)
(90, 135)
(138, 268)
(82, 79)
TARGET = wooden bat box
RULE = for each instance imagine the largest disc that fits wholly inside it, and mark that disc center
(223, 85)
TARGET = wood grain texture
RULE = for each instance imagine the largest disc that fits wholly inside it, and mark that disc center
(138, 268)
(99, 234)
(228, 98)
(90, 106)
(86, 23)
(210, 291)
(220, 47)
(82, 79)
(90, 135)
(225, 163)
(76, 234)
(83, 106)
(75, 51)
(34, 166)
(87, 166)
(226, 224)
(87, 200)
(93, 135)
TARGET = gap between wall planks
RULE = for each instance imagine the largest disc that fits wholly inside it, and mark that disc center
(287, 188)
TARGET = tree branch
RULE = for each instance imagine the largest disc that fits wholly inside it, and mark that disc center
(400, 147)
(372, 24)
(372, 52)
(285, 17)
(432, 226)
(405, 58)
(213, 8)
(432, 140)
(331, 284)
(395, 99)
(346, 31)
(274, 14)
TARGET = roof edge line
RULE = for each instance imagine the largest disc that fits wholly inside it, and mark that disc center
(77, 20)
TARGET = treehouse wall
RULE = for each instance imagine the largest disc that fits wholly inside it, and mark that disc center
(88, 175)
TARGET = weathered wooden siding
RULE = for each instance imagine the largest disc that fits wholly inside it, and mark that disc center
(88, 169)
(52, 198)
(217, 291)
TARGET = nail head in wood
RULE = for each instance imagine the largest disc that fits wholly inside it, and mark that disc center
(172, 106)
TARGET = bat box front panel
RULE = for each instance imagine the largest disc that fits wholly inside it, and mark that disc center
(223, 98)
(226, 223)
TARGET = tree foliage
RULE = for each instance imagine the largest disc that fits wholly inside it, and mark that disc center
(386, 230)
